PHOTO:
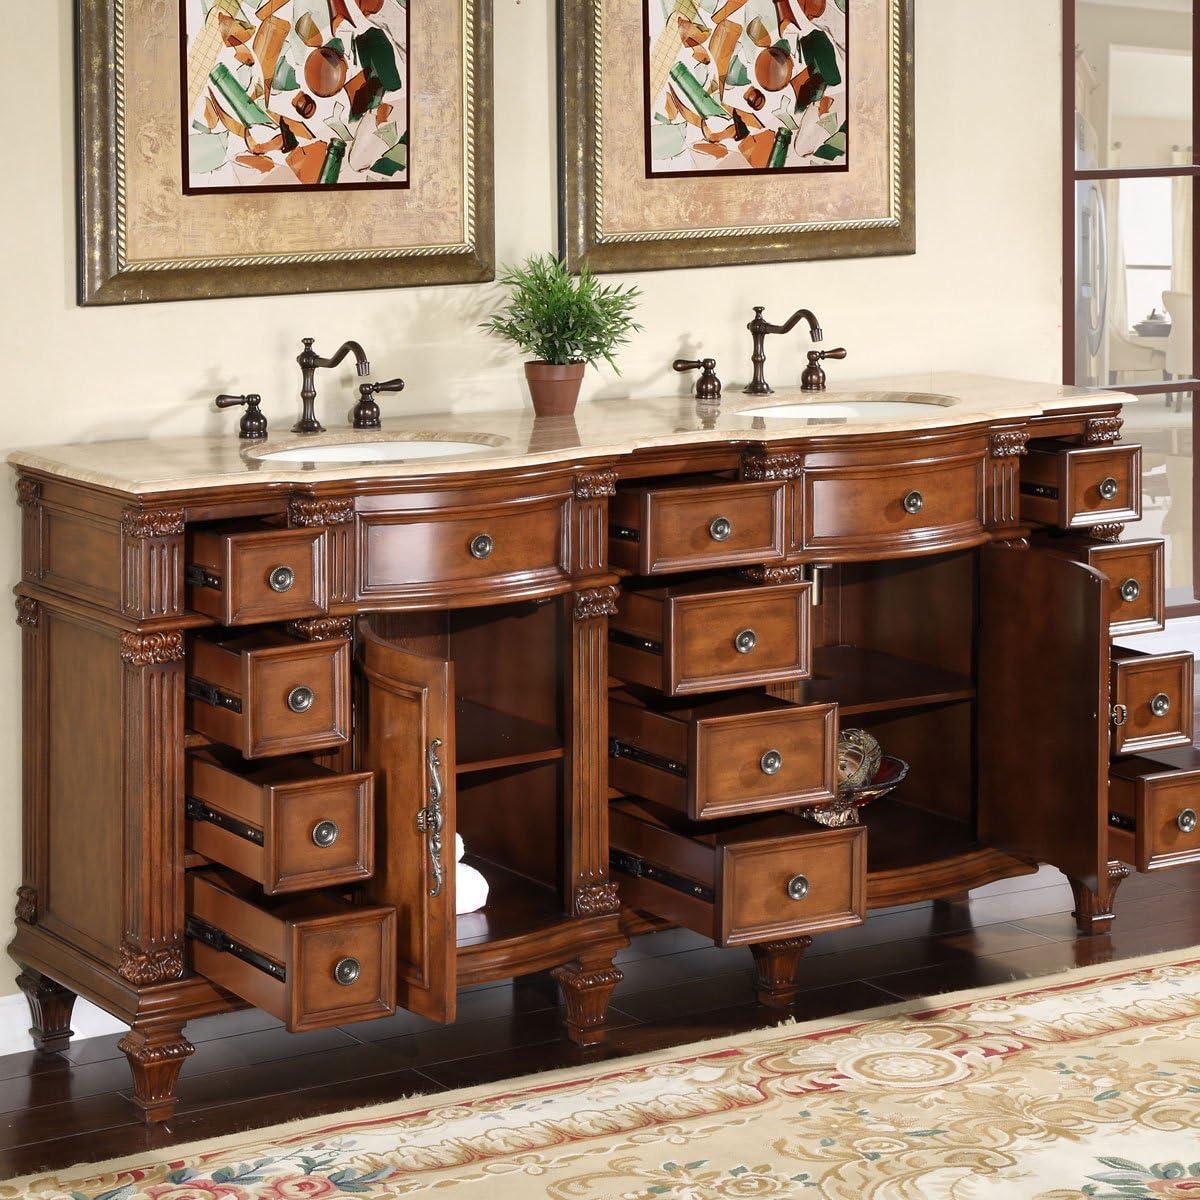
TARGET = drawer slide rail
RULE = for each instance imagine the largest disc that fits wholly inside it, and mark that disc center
(639, 868)
(197, 810)
(206, 693)
(633, 641)
(215, 939)
(620, 749)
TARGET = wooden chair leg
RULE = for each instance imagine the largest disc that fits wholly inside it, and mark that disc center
(1094, 910)
(50, 1007)
(776, 970)
(586, 987)
(156, 1052)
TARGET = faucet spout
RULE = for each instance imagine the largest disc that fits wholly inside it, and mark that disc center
(759, 327)
(310, 361)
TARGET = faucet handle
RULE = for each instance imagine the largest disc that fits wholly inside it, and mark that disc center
(813, 379)
(365, 414)
(253, 425)
(708, 386)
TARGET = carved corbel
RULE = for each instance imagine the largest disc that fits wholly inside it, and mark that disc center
(309, 511)
(595, 485)
(321, 629)
(1101, 430)
(1009, 443)
(152, 649)
(761, 465)
(595, 602)
(597, 900)
(28, 612)
(144, 968)
(152, 522)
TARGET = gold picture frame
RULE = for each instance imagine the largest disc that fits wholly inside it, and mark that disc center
(143, 238)
(617, 215)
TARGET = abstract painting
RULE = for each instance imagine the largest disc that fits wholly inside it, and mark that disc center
(258, 147)
(697, 133)
(294, 94)
(743, 86)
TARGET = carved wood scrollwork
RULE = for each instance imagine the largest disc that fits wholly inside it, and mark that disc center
(1100, 430)
(1010, 443)
(143, 968)
(321, 629)
(595, 485)
(595, 602)
(1093, 911)
(1107, 533)
(151, 649)
(772, 574)
(28, 612)
(29, 492)
(27, 905)
(761, 465)
(152, 522)
(307, 511)
(597, 900)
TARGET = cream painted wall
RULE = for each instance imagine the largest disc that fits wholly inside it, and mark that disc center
(982, 293)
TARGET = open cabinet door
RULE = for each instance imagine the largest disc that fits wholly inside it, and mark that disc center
(408, 727)
(1043, 710)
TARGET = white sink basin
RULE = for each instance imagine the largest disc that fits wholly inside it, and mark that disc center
(855, 406)
(374, 452)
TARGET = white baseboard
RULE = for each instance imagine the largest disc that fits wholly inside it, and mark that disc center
(86, 1020)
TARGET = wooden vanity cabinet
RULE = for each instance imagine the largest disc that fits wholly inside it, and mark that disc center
(620, 677)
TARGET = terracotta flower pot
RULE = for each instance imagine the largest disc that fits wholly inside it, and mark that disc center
(554, 388)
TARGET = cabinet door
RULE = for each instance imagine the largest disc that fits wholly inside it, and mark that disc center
(1043, 709)
(406, 728)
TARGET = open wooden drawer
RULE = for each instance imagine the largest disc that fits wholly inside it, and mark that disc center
(754, 879)
(1152, 700)
(1154, 809)
(312, 961)
(737, 754)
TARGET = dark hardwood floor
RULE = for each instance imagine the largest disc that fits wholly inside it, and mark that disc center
(247, 1072)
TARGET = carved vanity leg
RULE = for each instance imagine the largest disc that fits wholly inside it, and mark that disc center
(156, 1053)
(50, 1007)
(586, 987)
(776, 966)
(1094, 912)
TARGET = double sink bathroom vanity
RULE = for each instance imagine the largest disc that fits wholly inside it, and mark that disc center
(266, 682)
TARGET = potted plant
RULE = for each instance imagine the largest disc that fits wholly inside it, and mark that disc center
(567, 322)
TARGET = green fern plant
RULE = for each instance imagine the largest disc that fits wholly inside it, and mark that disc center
(562, 318)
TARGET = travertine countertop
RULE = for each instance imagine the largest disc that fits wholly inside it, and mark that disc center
(514, 437)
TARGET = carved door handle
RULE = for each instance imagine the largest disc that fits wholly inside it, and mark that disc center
(431, 818)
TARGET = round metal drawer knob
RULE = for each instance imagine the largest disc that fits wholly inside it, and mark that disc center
(325, 833)
(913, 503)
(281, 579)
(771, 762)
(745, 641)
(1109, 488)
(300, 699)
(1160, 704)
(482, 545)
(346, 971)
(720, 529)
(1130, 590)
(797, 887)
(1187, 821)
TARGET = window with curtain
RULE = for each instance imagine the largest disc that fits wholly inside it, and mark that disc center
(1129, 320)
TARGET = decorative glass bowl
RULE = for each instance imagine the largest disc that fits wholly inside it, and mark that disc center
(865, 773)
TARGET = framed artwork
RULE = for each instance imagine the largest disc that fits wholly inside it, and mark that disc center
(249, 147)
(708, 132)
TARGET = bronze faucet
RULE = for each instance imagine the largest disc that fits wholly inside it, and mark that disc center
(309, 361)
(813, 379)
(759, 328)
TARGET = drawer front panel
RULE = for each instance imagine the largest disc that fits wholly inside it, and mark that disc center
(785, 887)
(735, 886)
(250, 576)
(313, 962)
(1154, 817)
(1073, 487)
(1136, 583)
(738, 640)
(874, 509)
(710, 525)
(272, 700)
(1152, 699)
(724, 765)
(289, 825)
(514, 546)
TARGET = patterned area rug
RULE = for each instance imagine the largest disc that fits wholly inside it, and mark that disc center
(1087, 1084)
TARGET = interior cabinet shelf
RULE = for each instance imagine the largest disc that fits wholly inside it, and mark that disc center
(489, 738)
(516, 905)
(869, 681)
